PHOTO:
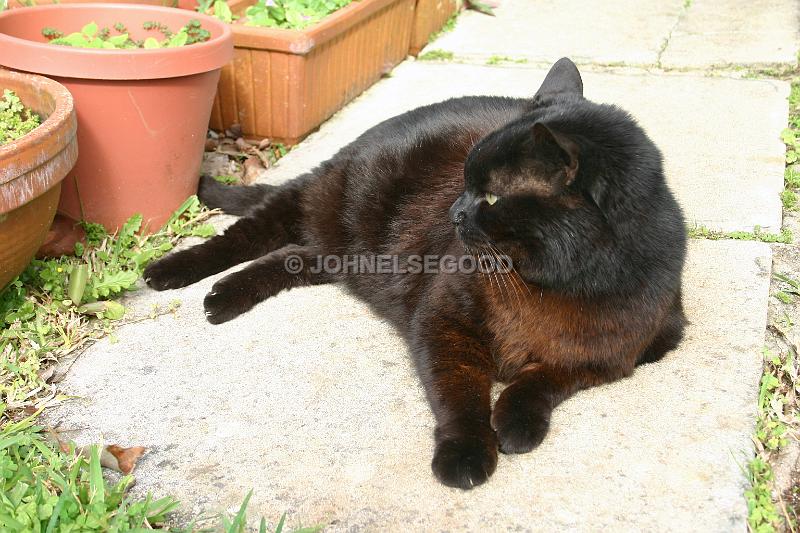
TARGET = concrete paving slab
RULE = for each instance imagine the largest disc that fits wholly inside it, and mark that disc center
(720, 137)
(725, 32)
(623, 31)
(312, 402)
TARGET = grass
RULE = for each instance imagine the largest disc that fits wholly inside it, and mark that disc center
(436, 55)
(778, 417)
(45, 489)
(55, 308)
(500, 60)
(60, 305)
(777, 420)
(701, 232)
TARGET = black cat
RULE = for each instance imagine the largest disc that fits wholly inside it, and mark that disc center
(571, 191)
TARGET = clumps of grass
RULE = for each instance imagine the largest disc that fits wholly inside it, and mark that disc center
(59, 305)
(46, 489)
(762, 513)
(436, 55)
(500, 60)
(789, 199)
(15, 119)
(701, 232)
(777, 419)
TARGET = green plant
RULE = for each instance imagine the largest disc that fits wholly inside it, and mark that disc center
(226, 179)
(762, 515)
(92, 36)
(499, 60)
(45, 489)
(58, 305)
(447, 27)
(436, 55)
(291, 14)
(15, 119)
(789, 199)
(701, 232)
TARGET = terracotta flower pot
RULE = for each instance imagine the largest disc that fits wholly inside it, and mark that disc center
(429, 17)
(142, 114)
(32, 168)
(283, 84)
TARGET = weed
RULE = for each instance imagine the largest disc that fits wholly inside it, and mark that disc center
(789, 199)
(436, 55)
(446, 28)
(762, 514)
(45, 489)
(701, 232)
(44, 313)
(499, 60)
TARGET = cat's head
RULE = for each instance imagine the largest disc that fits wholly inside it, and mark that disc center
(521, 179)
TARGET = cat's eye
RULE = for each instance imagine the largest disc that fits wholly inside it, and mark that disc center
(490, 198)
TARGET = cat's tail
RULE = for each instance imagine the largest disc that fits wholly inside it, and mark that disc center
(234, 200)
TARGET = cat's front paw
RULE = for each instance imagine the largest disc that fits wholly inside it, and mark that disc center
(465, 459)
(226, 301)
(172, 272)
(521, 423)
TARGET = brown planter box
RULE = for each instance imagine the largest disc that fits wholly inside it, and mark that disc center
(429, 17)
(283, 84)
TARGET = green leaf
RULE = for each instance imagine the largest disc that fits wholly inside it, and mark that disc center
(90, 30)
(222, 11)
(77, 283)
(178, 40)
(151, 43)
(118, 40)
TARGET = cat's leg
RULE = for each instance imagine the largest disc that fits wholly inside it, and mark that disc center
(279, 270)
(521, 415)
(455, 368)
(273, 225)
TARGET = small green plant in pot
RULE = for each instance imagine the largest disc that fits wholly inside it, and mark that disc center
(118, 37)
(15, 119)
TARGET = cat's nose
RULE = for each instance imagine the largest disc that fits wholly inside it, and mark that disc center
(457, 217)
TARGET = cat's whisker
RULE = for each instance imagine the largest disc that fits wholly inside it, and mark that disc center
(499, 261)
(493, 274)
(514, 274)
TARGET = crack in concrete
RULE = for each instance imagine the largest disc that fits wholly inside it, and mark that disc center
(684, 10)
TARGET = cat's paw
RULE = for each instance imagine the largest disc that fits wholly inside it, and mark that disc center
(521, 423)
(171, 272)
(226, 301)
(465, 460)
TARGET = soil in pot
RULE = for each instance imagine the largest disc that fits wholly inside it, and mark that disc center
(143, 113)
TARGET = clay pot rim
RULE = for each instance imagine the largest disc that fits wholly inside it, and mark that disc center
(55, 124)
(126, 64)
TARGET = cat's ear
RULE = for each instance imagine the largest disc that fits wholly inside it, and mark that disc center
(563, 78)
(570, 150)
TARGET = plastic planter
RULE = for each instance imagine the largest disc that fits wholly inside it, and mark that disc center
(32, 168)
(142, 114)
(283, 84)
(429, 17)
